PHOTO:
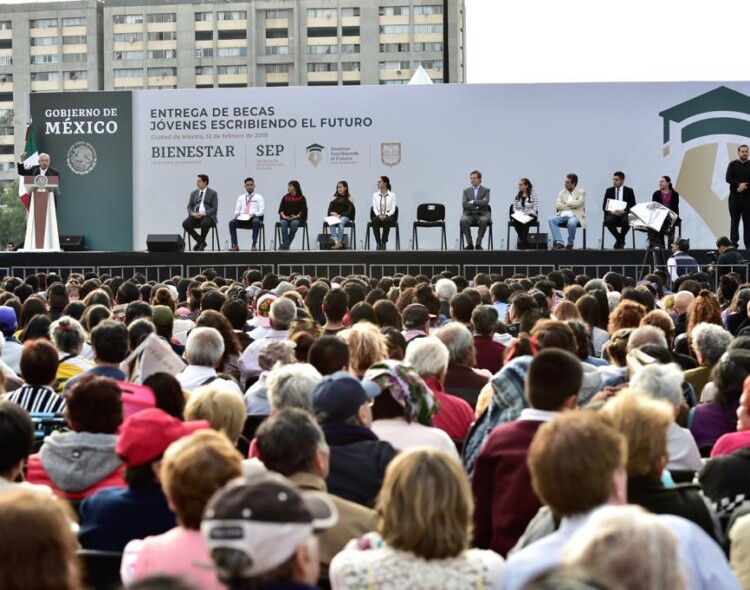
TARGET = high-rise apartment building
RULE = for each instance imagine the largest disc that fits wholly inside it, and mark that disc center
(135, 44)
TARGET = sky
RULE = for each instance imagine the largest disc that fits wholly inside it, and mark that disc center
(606, 41)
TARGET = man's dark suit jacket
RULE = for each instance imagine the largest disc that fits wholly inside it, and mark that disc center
(626, 194)
(210, 202)
(35, 170)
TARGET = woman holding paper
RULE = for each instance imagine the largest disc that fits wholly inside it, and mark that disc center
(667, 196)
(525, 212)
(340, 212)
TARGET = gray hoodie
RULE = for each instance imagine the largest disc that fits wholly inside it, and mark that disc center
(76, 461)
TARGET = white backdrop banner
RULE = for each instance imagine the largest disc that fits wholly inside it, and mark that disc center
(428, 139)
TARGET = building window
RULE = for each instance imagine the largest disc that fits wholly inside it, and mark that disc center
(204, 35)
(233, 34)
(393, 82)
(44, 41)
(5, 25)
(324, 67)
(277, 69)
(161, 72)
(231, 70)
(128, 73)
(43, 23)
(394, 47)
(322, 49)
(204, 52)
(74, 40)
(123, 55)
(74, 58)
(75, 21)
(162, 17)
(313, 32)
(394, 29)
(399, 66)
(127, 19)
(350, 66)
(231, 52)
(277, 50)
(6, 60)
(394, 11)
(328, 13)
(127, 37)
(204, 16)
(162, 36)
(45, 76)
(350, 31)
(162, 53)
(424, 47)
(276, 14)
(428, 28)
(204, 70)
(277, 33)
(433, 64)
(6, 43)
(231, 15)
(350, 48)
(45, 59)
(349, 12)
(6, 78)
(425, 10)
(76, 75)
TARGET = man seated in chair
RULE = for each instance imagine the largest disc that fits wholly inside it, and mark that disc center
(616, 216)
(571, 212)
(248, 214)
(475, 202)
(202, 207)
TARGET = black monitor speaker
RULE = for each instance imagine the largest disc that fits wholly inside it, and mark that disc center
(165, 243)
(73, 243)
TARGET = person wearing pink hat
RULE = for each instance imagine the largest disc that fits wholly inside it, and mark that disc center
(113, 516)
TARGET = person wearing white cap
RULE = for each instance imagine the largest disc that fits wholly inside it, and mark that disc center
(260, 533)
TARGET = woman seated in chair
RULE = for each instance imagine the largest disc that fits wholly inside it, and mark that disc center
(527, 204)
(383, 214)
(293, 213)
(341, 206)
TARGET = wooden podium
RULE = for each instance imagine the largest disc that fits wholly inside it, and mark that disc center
(41, 223)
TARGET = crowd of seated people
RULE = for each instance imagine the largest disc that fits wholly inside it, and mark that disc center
(545, 431)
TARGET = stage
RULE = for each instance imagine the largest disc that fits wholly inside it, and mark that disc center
(327, 263)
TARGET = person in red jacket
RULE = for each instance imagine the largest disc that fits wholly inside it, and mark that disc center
(429, 357)
(77, 463)
(504, 500)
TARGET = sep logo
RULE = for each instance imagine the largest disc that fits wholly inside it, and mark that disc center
(269, 150)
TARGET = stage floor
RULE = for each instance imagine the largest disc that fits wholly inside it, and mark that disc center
(329, 263)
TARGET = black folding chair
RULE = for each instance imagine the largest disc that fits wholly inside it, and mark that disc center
(430, 215)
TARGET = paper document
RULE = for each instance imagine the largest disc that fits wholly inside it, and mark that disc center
(332, 220)
(521, 217)
(243, 217)
(615, 205)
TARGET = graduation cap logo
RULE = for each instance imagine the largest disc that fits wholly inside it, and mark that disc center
(706, 132)
(315, 153)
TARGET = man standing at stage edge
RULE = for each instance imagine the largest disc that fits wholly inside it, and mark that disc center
(738, 177)
(476, 210)
(202, 207)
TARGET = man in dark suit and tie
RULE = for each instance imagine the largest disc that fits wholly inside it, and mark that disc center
(476, 203)
(42, 168)
(202, 208)
(616, 218)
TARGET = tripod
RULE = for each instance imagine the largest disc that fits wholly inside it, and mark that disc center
(654, 253)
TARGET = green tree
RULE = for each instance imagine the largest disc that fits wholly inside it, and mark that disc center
(12, 216)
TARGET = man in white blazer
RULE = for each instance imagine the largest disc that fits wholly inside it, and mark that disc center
(476, 210)
(571, 213)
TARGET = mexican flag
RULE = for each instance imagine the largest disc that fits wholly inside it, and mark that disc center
(32, 159)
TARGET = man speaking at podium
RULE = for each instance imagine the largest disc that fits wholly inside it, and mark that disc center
(42, 168)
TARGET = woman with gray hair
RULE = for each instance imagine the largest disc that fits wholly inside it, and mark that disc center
(68, 337)
(629, 546)
(709, 342)
(665, 382)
